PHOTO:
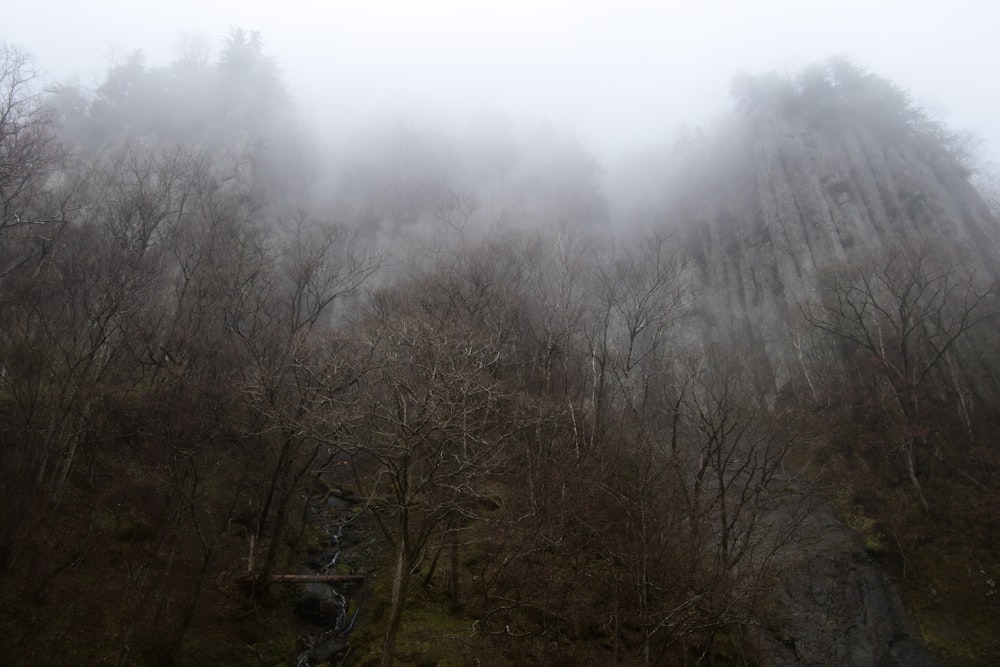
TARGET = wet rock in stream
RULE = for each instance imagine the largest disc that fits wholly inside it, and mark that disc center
(320, 605)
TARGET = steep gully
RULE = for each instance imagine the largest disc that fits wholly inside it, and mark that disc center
(325, 608)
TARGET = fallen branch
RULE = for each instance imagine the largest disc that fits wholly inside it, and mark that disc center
(304, 578)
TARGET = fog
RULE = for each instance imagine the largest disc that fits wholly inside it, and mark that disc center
(667, 325)
(618, 76)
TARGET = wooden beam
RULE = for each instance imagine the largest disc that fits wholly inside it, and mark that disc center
(304, 578)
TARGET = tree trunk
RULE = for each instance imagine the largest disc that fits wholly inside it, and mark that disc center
(909, 454)
(453, 574)
(400, 584)
(260, 586)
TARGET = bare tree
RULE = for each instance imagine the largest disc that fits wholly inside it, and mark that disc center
(901, 315)
(557, 265)
(74, 317)
(435, 423)
(637, 299)
(294, 366)
(30, 153)
(728, 449)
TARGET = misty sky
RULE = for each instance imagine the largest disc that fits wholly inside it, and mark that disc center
(619, 75)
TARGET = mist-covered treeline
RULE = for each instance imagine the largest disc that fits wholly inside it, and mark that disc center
(208, 318)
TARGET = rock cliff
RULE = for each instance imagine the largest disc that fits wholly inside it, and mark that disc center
(798, 185)
(814, 174)
(834, 604)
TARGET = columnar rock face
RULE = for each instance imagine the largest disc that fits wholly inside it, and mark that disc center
(806, 183)
(796, 196)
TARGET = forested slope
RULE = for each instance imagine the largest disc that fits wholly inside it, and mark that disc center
(450, 376)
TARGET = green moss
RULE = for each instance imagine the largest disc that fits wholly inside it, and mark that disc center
(874, 546)
(948, 583)
(955, 604)
(859, 519)
(312, 540)
(433, 631)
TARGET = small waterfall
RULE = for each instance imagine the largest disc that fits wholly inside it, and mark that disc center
(322, 604)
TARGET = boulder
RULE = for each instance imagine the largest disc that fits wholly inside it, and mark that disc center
(319, 604)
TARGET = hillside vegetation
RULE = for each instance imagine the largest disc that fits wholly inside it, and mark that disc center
(706, 424)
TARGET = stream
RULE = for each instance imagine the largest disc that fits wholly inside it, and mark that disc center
(324, 608)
